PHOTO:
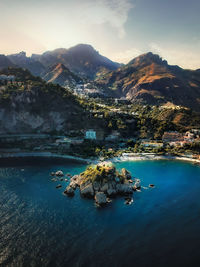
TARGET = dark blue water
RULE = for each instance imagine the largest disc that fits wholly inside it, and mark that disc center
(39, 226)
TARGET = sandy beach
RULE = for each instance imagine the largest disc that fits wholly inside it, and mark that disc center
(146, 156)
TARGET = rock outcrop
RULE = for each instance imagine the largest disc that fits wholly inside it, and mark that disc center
(87, 190)
(69, 191)
(137, 184)
(100, 198)
(59, 173)
(101, 182)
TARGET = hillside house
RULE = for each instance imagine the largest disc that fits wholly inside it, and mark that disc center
(115, 135)
(189, 136)
(96, 134)
(169, 137)
(64, 142)
(90, 134)
(152, 144)
(122, 100)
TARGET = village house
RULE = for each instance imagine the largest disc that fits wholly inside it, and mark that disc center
(113, 136)
(189, 136)
(66, 142)
(122, 100)
(152, 144)
(195, 133)
(90, 134)
(169, 137)
(96, 134)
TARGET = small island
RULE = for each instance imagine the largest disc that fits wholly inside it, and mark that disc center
(102, 181)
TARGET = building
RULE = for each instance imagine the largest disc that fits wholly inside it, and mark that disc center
(169, 137)
(152, 144)
(64, 142)
(196, 131)
(189, 137)
(97, 134)
(113, 136)
(90, 134)
(122, 100)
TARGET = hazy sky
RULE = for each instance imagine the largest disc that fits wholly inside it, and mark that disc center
(118, 29)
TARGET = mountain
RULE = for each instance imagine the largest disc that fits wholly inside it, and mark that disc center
(59, 74)
(149, 79)
(21, 60)
(30, 105)
(81, 59)
(5, 62)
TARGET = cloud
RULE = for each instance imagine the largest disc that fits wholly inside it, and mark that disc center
(114, 12)
(179, 54)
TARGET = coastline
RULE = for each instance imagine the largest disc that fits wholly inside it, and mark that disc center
(125, 157)
(43, 154)
(147, 156)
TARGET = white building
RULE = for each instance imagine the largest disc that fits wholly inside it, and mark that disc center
(90, 134)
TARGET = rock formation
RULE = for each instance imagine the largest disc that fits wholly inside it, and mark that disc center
(102, 181)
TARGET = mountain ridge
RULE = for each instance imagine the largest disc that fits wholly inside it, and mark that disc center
(59, 74)
(81, 59)
(145, 79)
(149, 79)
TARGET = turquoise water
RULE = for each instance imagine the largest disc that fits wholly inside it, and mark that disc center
(39, 226)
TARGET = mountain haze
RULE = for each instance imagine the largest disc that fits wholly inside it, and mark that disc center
(146, 79)
(81, 59)
(22, 61)
(5, 62)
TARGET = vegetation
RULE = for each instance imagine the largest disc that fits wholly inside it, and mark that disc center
(102, 173)
(133, 122)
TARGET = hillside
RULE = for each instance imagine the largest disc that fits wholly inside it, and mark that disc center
(22, 61)
(5, 62)
(59, 74)
(149, 79)
(81, 59)
(30, 105)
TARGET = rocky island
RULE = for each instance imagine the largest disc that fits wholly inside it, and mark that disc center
(102, 181)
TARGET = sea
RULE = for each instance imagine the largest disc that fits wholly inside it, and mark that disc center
(40, 226)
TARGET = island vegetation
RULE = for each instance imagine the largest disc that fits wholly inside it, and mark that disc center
(103, 181)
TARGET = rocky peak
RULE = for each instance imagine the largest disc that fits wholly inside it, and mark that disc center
(81, 59)
(147, 59)
(18, 58)
(20, 54)
(83, 48)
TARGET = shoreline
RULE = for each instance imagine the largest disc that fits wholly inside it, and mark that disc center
(43, 155)
(136, 157)
(144, 156)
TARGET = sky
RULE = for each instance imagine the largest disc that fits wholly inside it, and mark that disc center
(117, 29)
